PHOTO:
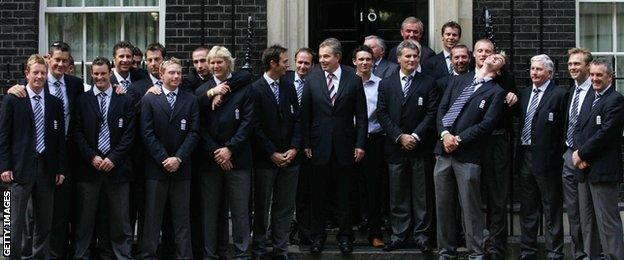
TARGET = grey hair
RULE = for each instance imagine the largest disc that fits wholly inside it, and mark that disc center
(379, 40)
(604, 62)
(332, 43)
(545, 60)
(415, 20)
(409, 44)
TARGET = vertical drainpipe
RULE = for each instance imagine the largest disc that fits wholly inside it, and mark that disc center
(233, 28)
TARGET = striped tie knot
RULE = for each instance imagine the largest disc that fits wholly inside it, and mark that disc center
(275, 90)
(407, 84)
(331, 88)
(37, 98)
(159, 83)
(125, 84)
(171, 97)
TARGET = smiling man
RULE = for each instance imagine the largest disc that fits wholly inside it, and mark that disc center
(441, 64)
(414, 29)
(123, 72)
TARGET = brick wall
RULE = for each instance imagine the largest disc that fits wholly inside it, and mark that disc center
(558, 28)
(19, 23)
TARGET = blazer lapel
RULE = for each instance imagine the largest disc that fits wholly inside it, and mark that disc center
(413, 85)
(112, 106)
(164, 105)
(586, 108)
(341, 85)
(524, 102)
(94, 104)
(268, 91)
(545, 96)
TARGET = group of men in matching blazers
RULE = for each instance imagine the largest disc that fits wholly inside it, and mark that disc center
(177, 154)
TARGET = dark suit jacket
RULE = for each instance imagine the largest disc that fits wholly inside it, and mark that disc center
(414, 114)
(385, 68)
(138, 89)
(239, 79)
(192, 81)
(425, 54)
(289, 79)
(585, 105)
(135, 75)
(436, 65)
(277, 126)
(121, 125)
(169, 133)
(229, 125)
(475, 121)
(599, 136)
(328, 128)
(547, 128)
(17, 138)
(506, 81)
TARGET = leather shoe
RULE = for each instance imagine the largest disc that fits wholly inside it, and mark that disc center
(345, 247)
(393, 245)
(316, 247)
(377, 243)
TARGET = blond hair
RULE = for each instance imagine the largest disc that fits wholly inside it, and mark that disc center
(35, 59)
(170, 62)
(223, 53)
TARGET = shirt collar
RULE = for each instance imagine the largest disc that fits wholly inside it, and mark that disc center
(585, 85)
(336, 73)
(412, 74)
(542, 88)
(32, 93)
(108, 91)
(297, 77)
(219, 81)
(378, 61)
(269, 79)
(604, 90)
(373, 80)
(52, 79)
(154, 79)
(119, 77)
(166, 91)
(446, 54)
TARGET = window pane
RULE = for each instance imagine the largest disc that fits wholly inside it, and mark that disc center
(56, 3)
(620, 26)
(141, 29)
(67, 28)
(596, 26)
(619, 73)
(140, 2)
(102, 2)
(103, 31)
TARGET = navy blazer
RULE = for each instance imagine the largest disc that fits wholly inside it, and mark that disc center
(121, 126)
(425, 54)
(547, 128)
(135, 75)
(328, 128)
(192, 81)
(17, 138)
(436, 65)
(475, 121)
(385, 68)
(414, 114)
(599, 137)
(229, 125)
(168, 133)
(277, 126)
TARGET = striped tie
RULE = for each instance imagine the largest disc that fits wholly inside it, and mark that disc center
(159, 83)
(573, 117)
(597, 97)
(275, 90)
(104, 137)
(171, 98)
(300, 83)
(407, 85)
(39, 126)
(450, 66)
(528, 119)
(331, 87)
(125, 84)
(59, 94)
(453, 112)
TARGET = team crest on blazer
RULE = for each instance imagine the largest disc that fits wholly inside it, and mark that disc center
(120, 124)
(482, 104)
(236, 114)
(183, 124)
(55, 123)
(551, 116)
(598, 120)
(420, 101)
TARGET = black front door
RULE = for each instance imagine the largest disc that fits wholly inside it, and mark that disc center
(351, 20)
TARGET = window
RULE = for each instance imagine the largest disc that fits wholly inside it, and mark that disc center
(92, 27)
(600, 28)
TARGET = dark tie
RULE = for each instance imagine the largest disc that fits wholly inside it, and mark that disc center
(171, 99)
(459, 103)
(159, 83)
(528, 119)
(450, 66)
(597, 97)
(407, 84)
(331, 88)
(104, 137)
(39, 127)
(275, 90)
(300, 83)
(573, 117)
(125, 84)
(58, 92)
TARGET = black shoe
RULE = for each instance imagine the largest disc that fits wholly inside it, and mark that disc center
(424, 247)
(316, 247)
(346, 247)
(393, 245)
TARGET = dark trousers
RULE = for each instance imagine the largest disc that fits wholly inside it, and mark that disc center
(116, 225)
(63, 211)
(341, 176)
(537, 192)
(496, 172)
(408, 200)
(302, 203)
(372, 168)
(42, 192)
(157, 194)
(274, 190)
(216, 187)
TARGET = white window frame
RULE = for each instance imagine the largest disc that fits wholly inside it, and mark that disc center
(43, 29)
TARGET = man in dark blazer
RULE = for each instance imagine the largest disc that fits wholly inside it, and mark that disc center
(170, 132)
(123, 72)
(382, 68)
(599, 158)
(301, 228)
(332, 100)
(67, 88)
(32, 157)
(468, 112)
(104, 131)
(407, 109)
(460, 57)
(276, 141)
(412, 28)
(225, 169)
(441, 64)
(200, 73)
(542, 118)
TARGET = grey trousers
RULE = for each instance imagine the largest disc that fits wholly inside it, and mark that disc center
(450, 177)
(537, 192)
(274, 190)
(117, 221)
(408, 200)
(600, 217)
(157, 193)
(236, 185)
(42, 192)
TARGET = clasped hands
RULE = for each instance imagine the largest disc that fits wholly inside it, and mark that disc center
(284, 159)
(578, 162)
